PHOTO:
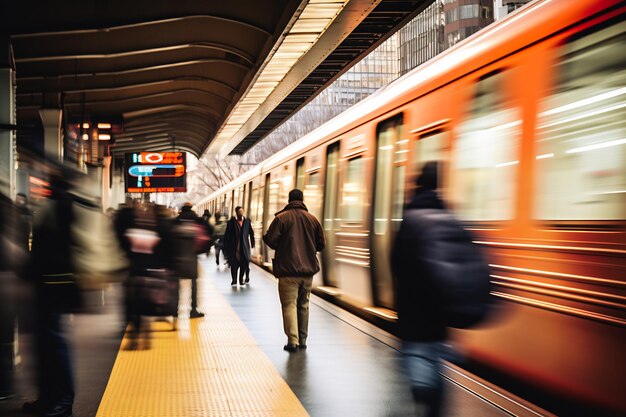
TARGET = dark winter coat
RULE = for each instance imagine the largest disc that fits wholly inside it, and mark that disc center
(186, 259)
(443, 278)
(296, 236)
(419, 299)
(238, 237)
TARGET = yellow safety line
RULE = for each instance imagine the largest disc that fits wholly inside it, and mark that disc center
(210, 367)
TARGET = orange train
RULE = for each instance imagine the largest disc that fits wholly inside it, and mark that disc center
(529, 120)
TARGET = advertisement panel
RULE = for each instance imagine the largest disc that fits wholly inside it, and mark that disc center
(156, 172)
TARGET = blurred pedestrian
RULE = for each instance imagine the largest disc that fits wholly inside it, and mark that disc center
(238, 245)
(12, 256)
(24, 221)
(218, 236)
(442, 281)
(207, 219)
(57, 294)
(187, 230)
(143, 236)
(296, 236)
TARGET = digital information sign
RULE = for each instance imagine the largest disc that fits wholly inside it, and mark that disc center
(156, 172)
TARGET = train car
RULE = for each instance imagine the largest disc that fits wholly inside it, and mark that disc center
(528, 118)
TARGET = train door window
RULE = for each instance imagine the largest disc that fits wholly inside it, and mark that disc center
(312, 195)
(486, 154)
(300, 174)
(429, 147)
(353, 191)
(330, 198)
(388, 135)
(581, 132)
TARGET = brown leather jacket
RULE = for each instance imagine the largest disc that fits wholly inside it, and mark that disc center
(296, 236)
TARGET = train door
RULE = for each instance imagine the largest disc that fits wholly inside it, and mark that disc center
(266, 218)
(390, 173)
(330, 213)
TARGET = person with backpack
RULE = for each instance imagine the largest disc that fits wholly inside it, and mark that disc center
(442, 281)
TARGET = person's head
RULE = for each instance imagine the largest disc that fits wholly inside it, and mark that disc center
(186, 207)
(296, 195)
(428, 178)
(206, 213)
(239, 212)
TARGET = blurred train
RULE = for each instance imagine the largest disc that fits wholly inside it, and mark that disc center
(529, 120)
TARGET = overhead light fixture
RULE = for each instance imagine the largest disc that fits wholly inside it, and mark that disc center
(104, 125)
(102, 136)
(316, 17)
(85, 125)
(85, 136)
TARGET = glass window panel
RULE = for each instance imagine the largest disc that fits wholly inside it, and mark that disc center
(353, 191)
(384, 165)
(312, 194)
(485, 161)
(581, 149)
(330, 198)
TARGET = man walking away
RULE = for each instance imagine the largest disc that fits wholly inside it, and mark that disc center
(238, 245)
(296, 236)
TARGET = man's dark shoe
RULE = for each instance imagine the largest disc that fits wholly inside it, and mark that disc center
(195, 314)
(302, 347)
(233, 282)
(33, 407)
(290, 348)
(247, 280)
(59, 411)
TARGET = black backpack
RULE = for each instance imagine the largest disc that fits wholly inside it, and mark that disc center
(455, 265)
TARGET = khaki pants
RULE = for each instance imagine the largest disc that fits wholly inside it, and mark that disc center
(294, 296)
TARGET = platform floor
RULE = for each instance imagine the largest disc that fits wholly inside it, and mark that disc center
(231, 362)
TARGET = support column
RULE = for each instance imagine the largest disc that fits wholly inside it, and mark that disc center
(8, 144)
(53, 141)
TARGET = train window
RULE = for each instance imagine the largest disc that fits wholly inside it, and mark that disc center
(353, 191)
(300, 175)
(581, 132)
(387, 136)
(312, 193)
(485, 159)
(330, 198)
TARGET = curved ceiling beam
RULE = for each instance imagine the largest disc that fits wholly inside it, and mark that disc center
(137, 25)
(205, 84)
(213, 46)
(147, 102)
(170, 124)
(154, 110)
(226, 72)
(247, 38)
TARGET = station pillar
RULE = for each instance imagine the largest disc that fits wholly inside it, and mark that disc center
(8, 123)
(53, 141)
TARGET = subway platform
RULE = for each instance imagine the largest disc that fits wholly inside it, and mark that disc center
(232, 363)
